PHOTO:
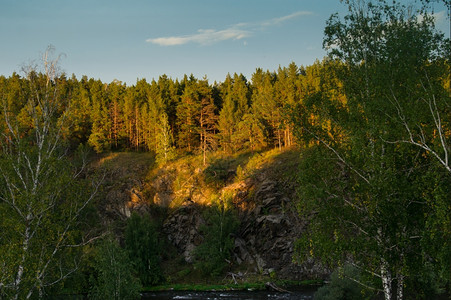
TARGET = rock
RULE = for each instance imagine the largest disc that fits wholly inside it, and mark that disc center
(189, 253)
(182, 229)
(269, 225)
(163, 199)
(260, 263)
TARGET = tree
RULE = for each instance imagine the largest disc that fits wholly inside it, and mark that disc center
(165, 143)
(207, 120)
(144, 248)
(265, 108)
(251, 133)
(187, 115)
(221, 222)
(114, 278)
(417, 57)
(366, 185)
(115, 91)
(287, 90)
(99, 138)
(80, 113)
(138, 122)
(41, 196)
(235, 94)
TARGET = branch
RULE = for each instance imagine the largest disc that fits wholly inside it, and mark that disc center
(338, 155)
(362, 284)
(437, 121)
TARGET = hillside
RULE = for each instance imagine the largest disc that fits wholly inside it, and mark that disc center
(259, 188)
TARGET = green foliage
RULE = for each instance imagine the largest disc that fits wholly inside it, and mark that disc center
(220, 172)
(165, 149)
(43, 197)
(375, 116)
(113, 278)
(235, 94)
(213, 255)
(240, 174)
(223, 169)
(162, 115)
(144, 248)
(188, 112)
(362, 182)
(341, 287)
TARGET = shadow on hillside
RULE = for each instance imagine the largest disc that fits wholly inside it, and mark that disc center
(128, 164)
(222, 171)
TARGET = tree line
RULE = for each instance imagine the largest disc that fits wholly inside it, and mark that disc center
(191, 114)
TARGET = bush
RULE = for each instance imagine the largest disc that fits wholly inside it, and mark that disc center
(340, 287)
(220, 172)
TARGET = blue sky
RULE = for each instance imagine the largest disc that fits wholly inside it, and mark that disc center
(130, 40)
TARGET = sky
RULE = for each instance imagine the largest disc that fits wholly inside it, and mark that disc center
(135, 39)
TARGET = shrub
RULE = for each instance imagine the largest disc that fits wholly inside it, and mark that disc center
(340, 287)
(219, 172)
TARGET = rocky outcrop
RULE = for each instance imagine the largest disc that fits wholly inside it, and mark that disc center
(122, 187)
(182, 229)
(264, 242)
(269, 223)
(268, 232)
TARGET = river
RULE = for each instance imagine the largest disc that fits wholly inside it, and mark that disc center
(229, 295)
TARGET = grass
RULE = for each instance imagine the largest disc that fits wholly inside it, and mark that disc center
(251, 286)
(116, 160)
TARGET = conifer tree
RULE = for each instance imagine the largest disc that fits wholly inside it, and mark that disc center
(188, 112)
(99, 137)
(207, 119)
(265, 107)
(235, 94)
(165, 149)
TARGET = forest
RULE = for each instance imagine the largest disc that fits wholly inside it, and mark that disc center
(372, 122)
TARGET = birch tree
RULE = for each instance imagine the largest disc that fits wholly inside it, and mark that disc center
(41, 195)
(368, 178)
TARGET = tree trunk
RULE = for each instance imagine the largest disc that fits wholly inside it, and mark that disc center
(386, 280)
(400, 287)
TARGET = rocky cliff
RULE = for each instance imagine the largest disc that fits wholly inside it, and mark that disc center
(269, 223)
(264, 198)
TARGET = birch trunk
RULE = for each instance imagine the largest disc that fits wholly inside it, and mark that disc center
(386, 280)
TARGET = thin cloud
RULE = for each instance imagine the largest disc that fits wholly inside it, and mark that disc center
(440, 17)
(277, 21)
(203, 37)
(235, 32)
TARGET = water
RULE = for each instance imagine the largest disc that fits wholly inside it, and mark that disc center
(229, 295)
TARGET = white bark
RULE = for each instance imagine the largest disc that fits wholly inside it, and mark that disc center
(27, 175)
(386, 280)
(420, 140)
(400, 287)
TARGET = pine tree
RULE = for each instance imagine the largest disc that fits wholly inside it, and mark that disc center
(207, 119)
(235, 94)
(188, 112)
